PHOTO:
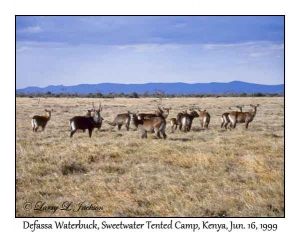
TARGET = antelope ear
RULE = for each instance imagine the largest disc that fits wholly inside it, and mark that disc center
(204, 110)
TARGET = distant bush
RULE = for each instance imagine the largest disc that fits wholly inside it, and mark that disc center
(134, 95)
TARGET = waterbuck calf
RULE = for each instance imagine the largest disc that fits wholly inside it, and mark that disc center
(242, 117)
(120, 120)
(156, 124)
(186, 120)
(42, 121)
(86, 122)
(204, 118)
(174, 124)
(225, 117)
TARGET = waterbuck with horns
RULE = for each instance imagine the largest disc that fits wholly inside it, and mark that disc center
(225, 117)
(89, 114)
(157, 124)
(242, 117)
(42, 121)
(86, 122)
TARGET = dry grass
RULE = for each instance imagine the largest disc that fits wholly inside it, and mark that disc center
(200, 173)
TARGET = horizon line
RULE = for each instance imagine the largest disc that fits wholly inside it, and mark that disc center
(148, 83)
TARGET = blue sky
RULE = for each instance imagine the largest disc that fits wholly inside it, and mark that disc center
(74, 50)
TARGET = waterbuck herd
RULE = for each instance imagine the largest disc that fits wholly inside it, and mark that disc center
(150, 122)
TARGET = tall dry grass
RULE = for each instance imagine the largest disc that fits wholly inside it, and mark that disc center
(200, 173)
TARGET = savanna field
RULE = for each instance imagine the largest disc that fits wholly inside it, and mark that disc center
(202, 173)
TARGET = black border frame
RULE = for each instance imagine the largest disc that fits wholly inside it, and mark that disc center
(173, 217)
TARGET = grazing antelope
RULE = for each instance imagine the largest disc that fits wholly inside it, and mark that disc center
(225, 117)
(204, 118)
(186, 120)
(42, 121)
(157, 124)
(86, 122)
(242, 117)
(120, 120)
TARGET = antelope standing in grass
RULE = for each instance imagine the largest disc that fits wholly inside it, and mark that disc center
(187, 120)
(120, 120)
(164, 112)
(225, 117)
(242, 117)
(204, 118)
(174, 124)
(160, 112)
(156, 124)
(86, 122)
(42, 121)
(89, 114)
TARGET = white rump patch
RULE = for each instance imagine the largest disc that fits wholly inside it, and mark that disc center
(72, 125)
(33, 123)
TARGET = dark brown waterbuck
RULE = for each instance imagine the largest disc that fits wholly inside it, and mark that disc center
(90, 113)
(86, 122)
(242, 117)
(155, 124)
(204, 118)
(120, 120)
(42, 121)
(225, 117)
(186, 120)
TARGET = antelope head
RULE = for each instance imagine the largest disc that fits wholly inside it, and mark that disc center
(240, 107)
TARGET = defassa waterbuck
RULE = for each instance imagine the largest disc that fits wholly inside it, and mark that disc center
(156, 124)
(42, 121)
(225, 117)
(187, 120)
(164, 112)
(85, 122)
(90, 113)
(242, 117)
(120, 120)
(204, 118)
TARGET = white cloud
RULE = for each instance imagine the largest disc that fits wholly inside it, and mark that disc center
(257, 54)
(150, 47)
(34, 29)
(22, 48)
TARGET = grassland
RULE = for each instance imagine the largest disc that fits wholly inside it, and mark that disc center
(202, 173)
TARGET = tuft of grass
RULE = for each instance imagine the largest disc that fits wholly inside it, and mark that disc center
(72, 168)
